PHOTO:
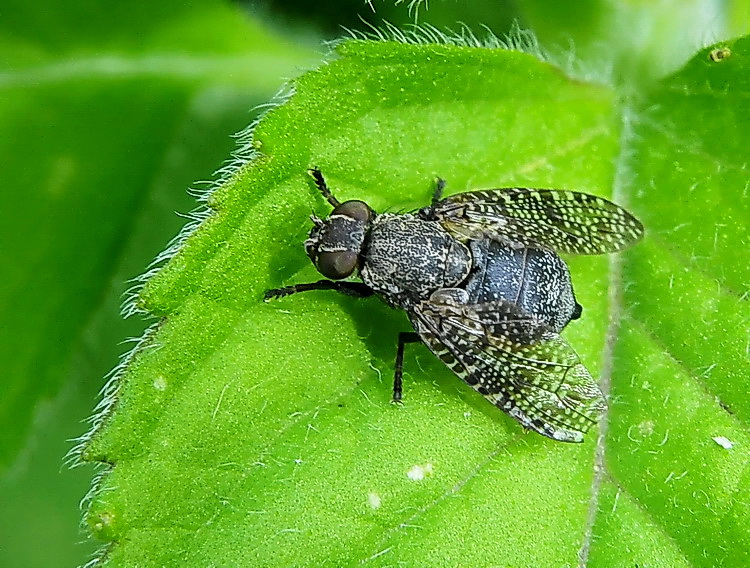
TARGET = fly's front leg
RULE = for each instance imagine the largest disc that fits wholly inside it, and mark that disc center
(322, 186)
(403, 338)
(356, 289)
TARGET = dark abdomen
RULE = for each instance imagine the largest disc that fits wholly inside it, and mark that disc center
(536, 280)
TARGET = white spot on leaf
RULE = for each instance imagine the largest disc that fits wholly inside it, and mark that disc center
(725, 443)
(373, 499)
(646, 428)
(419, 472)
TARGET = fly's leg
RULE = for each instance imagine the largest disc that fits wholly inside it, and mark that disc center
(428, 213)
(403, 338)
(356, 289)
(320, 182)
(439, 187)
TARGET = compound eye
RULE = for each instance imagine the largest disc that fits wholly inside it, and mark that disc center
(337, 265)
(357, 210)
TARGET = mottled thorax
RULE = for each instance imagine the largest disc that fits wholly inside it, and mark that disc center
(408, 258)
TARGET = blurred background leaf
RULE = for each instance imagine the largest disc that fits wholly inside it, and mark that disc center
(109, 113)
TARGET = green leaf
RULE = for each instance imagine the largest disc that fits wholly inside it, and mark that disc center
(74, 120)
(108, 114)
(247, 434)
(637, 41)
(680, 376)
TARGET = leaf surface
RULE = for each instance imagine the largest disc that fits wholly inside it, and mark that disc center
(250, 434)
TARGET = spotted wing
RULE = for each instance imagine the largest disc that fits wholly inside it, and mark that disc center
(514, 360)
(564, 221)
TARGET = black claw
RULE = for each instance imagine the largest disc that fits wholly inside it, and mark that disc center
(277, 293)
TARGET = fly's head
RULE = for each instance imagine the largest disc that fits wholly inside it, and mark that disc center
(335, 244)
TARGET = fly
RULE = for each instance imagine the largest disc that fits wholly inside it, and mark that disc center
(479, 276)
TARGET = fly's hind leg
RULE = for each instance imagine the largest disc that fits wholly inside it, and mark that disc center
(403, 338)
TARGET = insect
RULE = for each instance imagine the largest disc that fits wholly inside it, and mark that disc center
(479, 276)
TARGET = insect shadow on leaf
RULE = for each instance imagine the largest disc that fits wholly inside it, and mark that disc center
(479, 276)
